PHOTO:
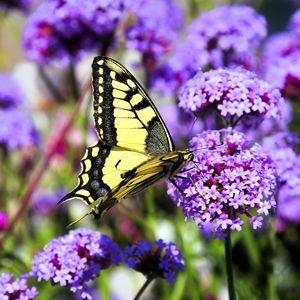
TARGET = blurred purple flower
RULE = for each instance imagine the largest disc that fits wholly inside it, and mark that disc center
(16, 130)
(75, 259)
(227, 35)
(23, 5)
(154, 259)
(3, 220)
(230, 176)
(15, 290)
(233, 93)
(10, 95)
(155, 27)
(169, 76)
(280, 61)
(182, 125)
(280, 147)
(45, 201)
(67, 30)
(294, 24)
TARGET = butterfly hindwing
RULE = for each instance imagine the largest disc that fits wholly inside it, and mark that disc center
(124, 114)
(102, 171)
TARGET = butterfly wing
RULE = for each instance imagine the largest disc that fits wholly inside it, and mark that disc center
(124, 114)
(102, 172)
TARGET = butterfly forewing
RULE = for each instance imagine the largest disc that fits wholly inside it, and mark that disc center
(124, 114)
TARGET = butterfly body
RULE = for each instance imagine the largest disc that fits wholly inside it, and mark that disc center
(134, 149)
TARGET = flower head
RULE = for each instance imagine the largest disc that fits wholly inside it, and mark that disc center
(45, 201)
(180, 66)
(228, 180)
(154, 29)
(155, 259)
(15, 289)
(233, 93)
(280, 147)
(16, 130)
(66, 30)
(76, 258)
(294, 24)
(10, 95)
(227, 35)
(281, 59)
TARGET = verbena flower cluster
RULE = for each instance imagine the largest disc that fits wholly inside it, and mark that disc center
(155, 259)
(16, 130)
(15, 289)
(281, 59)
(154, 28)
(227, 35)
(10, 95)
(294, 24)
(233, 93)
(23, 5)
(66, 30)
(45, 200)
(75, 259)
(280, 147)
(173, 72)
(228, 180)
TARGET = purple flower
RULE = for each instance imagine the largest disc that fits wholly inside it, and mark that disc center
(66, 30)
(154, 259)
(181, 124)
(155, 27)
(228, 180)
(15, 290)
(180, 66)
(16, 130)
(227, 35)
(233, 93)
(75, 259)
(294, 24)
(23, 5)
(280, 147)
(281, 60)
(45, 201)
(10, 95)
(3, 220)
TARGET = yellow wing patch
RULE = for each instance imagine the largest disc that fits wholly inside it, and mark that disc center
(118, 94)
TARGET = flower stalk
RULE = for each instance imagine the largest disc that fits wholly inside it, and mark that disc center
(228, 261)
(143, 288)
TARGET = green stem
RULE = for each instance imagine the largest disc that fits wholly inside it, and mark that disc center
(271, 292)
(74, 83)
(144, 286)
(228, 260)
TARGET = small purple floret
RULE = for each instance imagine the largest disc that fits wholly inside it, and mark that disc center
(154, 259)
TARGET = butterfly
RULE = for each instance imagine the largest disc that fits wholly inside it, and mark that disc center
(134, 149)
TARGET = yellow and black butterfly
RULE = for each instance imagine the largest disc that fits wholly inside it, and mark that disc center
(134, 149)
